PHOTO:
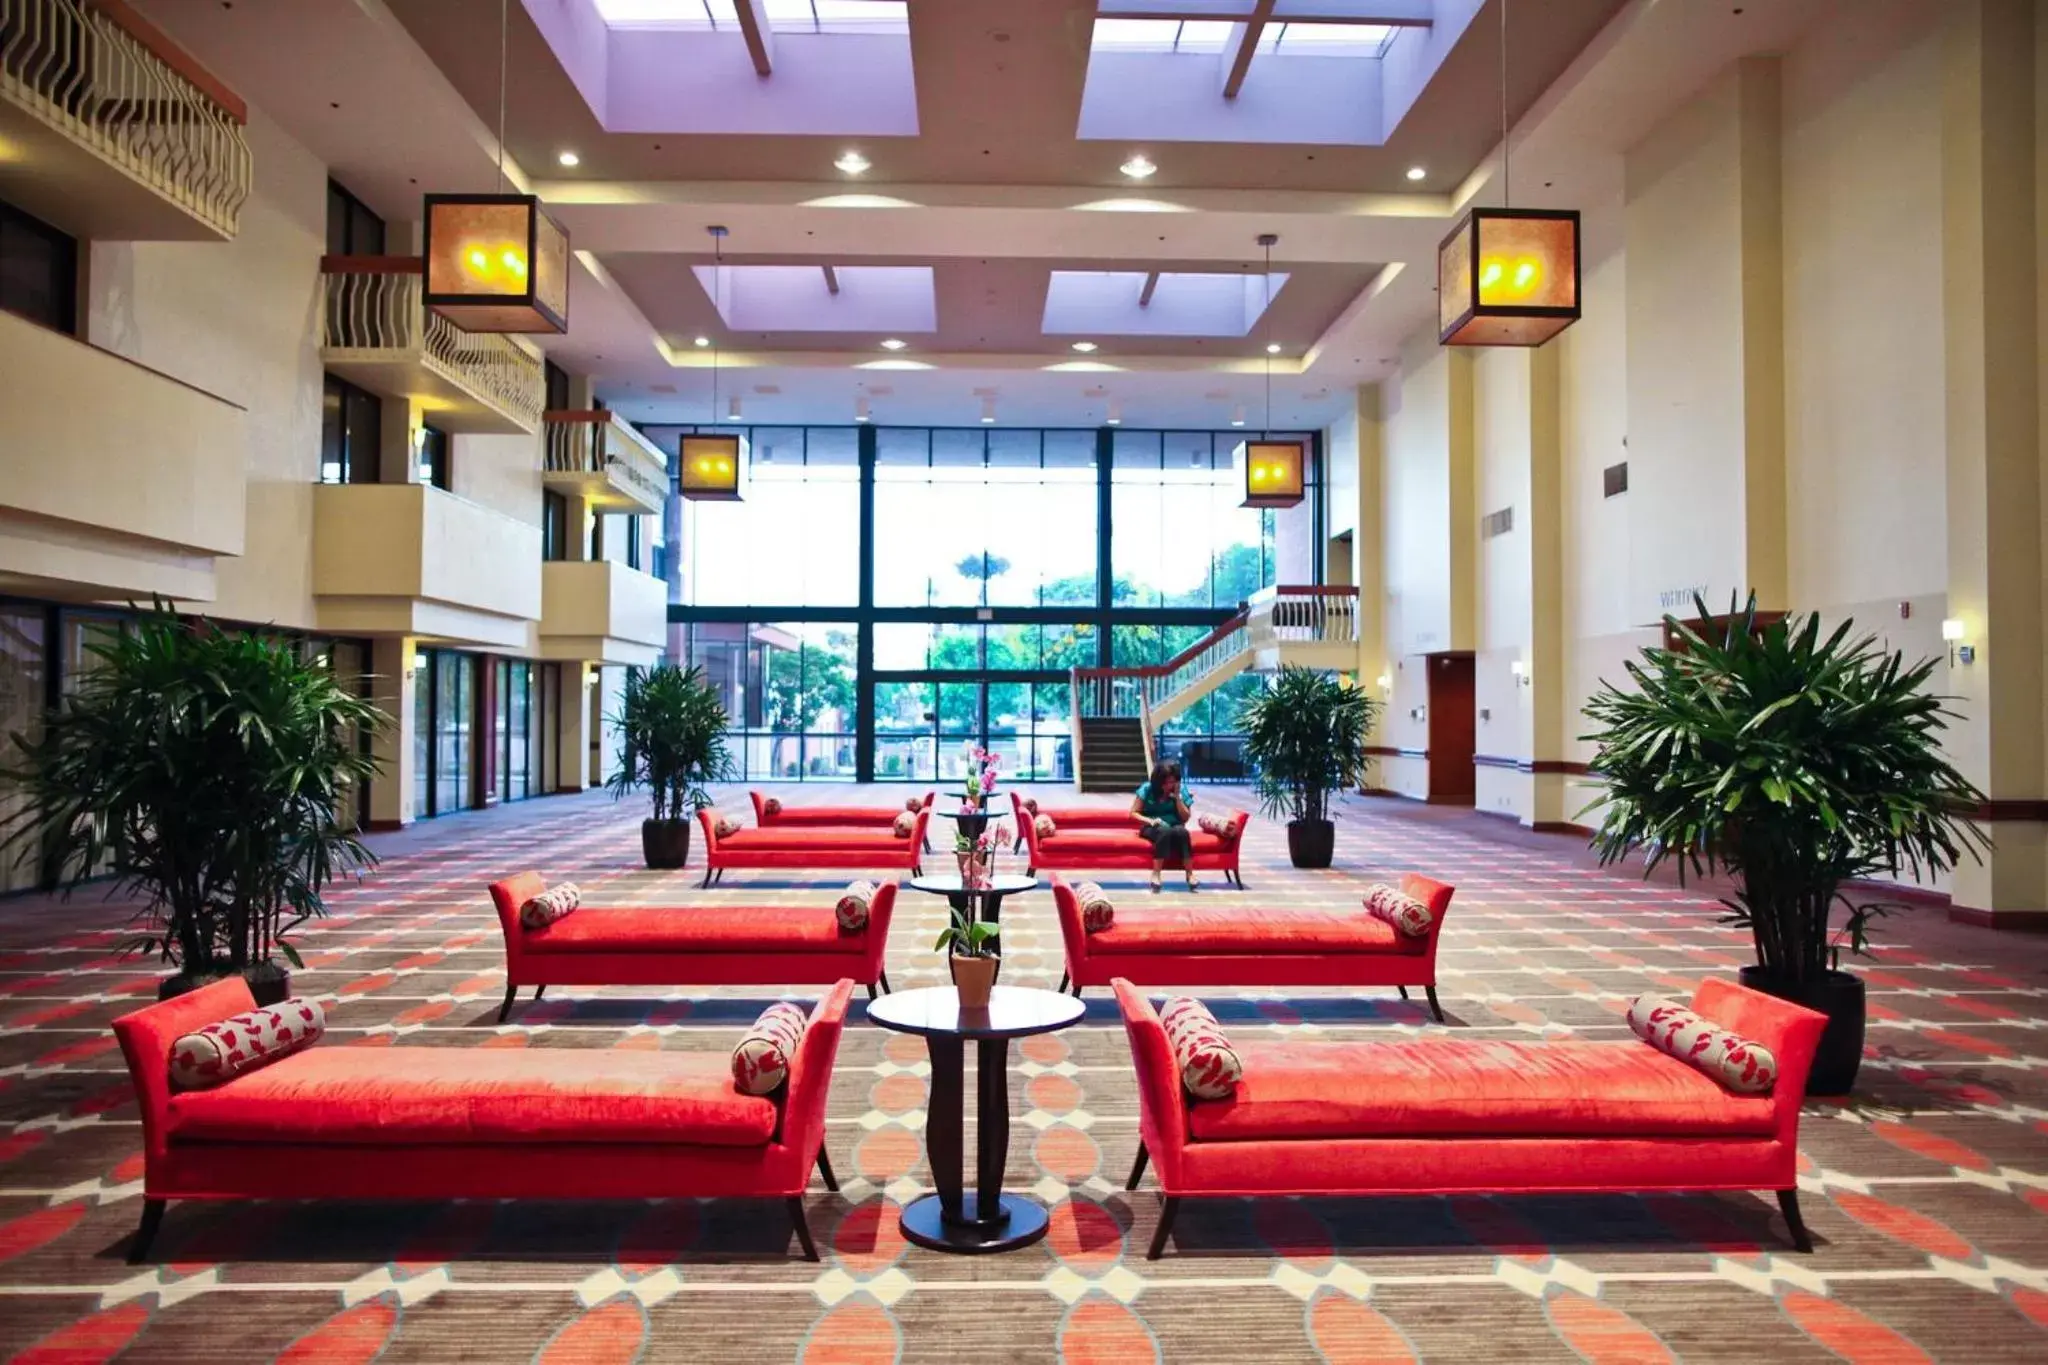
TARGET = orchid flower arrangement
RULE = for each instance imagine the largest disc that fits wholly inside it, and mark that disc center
(980, 783)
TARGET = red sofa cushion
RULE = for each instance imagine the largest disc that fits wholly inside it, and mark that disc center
(698, 929)
(805, 840)
(1070, 843)
(1091, 817)
(1246, 929)
(397, 1096)
(1459, 1088)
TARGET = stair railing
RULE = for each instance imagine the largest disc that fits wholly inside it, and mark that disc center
(1292, 614)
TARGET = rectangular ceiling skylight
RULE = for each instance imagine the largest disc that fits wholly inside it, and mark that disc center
(784, 16)
(1185, 304)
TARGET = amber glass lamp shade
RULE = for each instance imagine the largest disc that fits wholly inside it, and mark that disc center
(496, 263)
(1508, 277)
(1272, 472)
(711, 467)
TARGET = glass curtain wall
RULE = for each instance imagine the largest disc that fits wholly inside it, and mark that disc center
(881, 598)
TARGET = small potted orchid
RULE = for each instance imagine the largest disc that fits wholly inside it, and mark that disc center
(977, 854)
(980, 782)
(972, 960)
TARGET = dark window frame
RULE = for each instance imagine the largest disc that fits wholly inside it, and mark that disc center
(44, 289)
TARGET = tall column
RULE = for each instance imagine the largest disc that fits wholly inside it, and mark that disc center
(1546, 690)
(1994, 205)
(572, 752)
(391, 790)
(1369, 549)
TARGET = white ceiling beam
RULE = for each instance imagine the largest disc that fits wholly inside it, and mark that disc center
(1242, 43)
(760, 37)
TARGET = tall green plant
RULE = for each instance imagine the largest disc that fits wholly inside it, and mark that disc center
(1304, 735)
(1793, 764)
(671, 728)
(214, 772)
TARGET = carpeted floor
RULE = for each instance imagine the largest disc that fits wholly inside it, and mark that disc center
(1927, 1192)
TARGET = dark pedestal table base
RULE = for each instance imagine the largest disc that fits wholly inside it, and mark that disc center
(1021, 1222)
(951, 1220)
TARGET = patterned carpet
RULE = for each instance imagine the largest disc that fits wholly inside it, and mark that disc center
(1927, 1191)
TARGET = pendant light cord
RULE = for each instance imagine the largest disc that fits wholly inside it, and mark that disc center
(1267, 315)
(504, 31)
(1506, 191)
(718, 283)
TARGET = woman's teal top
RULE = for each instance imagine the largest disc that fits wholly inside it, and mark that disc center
(1161, 807)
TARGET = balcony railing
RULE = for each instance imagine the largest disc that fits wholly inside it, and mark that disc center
(374, 314)
(1289, 615)
(611, 463)
(108, 80)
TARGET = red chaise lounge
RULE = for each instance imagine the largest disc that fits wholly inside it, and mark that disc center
(769, 812)
(1074, 817)
(1091, 850)
(1179, 941)
(707, 945)
(1450, 1115)
(875, 849)
(339, 1122)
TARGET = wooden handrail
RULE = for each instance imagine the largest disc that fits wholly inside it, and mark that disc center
(577, 415)
(372, 265)
(124, 17)
(1161, 670)
(1314, 590)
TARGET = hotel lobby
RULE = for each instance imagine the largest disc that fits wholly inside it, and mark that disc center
(1424, 619)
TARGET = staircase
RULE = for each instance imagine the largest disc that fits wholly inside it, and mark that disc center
(1117, 710)
(1114, 757)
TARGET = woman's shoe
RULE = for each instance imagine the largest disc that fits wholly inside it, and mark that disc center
(1155, 884)
(1193, 885)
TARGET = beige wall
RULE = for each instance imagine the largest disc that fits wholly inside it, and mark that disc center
(237, 319)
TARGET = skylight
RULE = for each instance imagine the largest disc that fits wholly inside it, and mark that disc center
(784, 16)
(1330, 39)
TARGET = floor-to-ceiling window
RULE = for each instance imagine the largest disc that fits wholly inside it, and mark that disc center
(445, 732)
(520, 727)
(24, 697)
(882, 598)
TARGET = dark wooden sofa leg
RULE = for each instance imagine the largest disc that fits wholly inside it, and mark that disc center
(803, 1227)
(1062, 987)
(539, 991)
(825, 1170)
(1167, 1210)
(1403, 990)
(1138, 1168)
(871, 990)
(152, 1219)
(1434, 1007)
(1788, 1203)
(506, 1008)
(883, 977)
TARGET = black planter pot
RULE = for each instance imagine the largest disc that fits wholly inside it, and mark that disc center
(270, 983)
(1839, 996)
(665, 843)
(1311, 843)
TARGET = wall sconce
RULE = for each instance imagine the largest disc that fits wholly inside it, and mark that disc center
(1386, 682)
(1521, 672)
(1958, 652)
(591, 679)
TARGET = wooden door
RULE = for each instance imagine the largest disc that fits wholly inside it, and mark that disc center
(1451, 735)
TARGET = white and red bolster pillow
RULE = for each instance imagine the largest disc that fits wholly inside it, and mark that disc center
(242, 1042)
(906, 824)
(771, 805)
(556, 903)
(725, 827)
(1409, 916)
(1097, 913)
(913, 805)
(760, 1064)
(1043, 826)
(1223, 827)
(1209, 1068)
(854, 904)
(1732, 1061)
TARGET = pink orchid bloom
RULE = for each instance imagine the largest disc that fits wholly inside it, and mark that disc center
(988, 781)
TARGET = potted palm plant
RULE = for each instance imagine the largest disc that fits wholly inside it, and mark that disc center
(671, 728)
(1304, 736)
(213, 774)
(1797, 766)
(973, 962)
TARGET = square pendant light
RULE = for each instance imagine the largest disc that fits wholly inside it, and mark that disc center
(1272, 472)
(496, 263)
(1508, 277)
(711, 467)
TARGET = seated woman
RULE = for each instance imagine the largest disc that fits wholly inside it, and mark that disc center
(1161, 808)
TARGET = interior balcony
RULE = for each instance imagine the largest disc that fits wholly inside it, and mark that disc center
(412, 559)
(110, 130)
(116, 482)
(376, 333)
(602, 611)
(596, 456)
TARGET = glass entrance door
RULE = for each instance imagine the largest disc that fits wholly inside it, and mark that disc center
(924, 728)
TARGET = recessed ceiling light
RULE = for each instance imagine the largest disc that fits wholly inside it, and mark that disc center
(569, 159)
(1272, 348)
(1138, 167)
(1417, 173)
(853, 163)
(894, 344)
(703, 341)
(1084, 347)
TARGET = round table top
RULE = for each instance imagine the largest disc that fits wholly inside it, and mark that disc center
(1013, 1012)
(953, 884)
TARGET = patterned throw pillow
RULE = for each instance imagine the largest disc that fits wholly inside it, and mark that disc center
(913, 805)
(726, 827)
(1730, 1060)
(1097, 913)
(906, 824)
(549, 906)
(852, 909)
(219, 1052)
(1223, 827)
(1044, 827)
(1031, 804)
(771, 806)
(1408, 915)
(760, 1064)
(1209, 1069)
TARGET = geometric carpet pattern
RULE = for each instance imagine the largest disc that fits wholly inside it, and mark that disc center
(1926, 1191)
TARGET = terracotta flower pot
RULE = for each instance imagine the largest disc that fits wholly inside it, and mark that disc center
(974, 978)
